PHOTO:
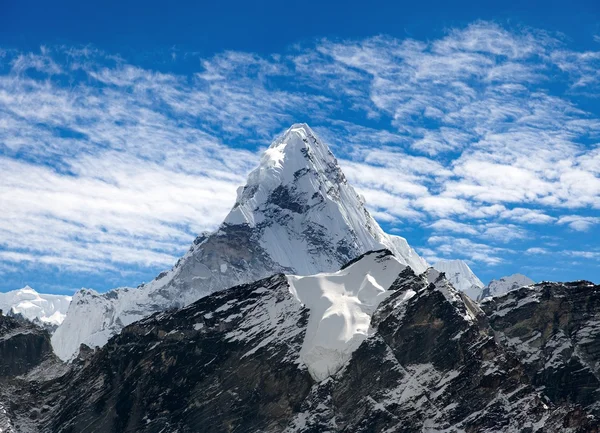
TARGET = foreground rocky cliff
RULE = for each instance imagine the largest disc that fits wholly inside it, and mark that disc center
(554, 329)
(24, 347)
(403, 353)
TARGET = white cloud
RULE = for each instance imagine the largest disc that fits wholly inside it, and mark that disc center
(500, 233)
(106, 163)
(445, 225)
(443, 206)
(578, 223)
(536, 250)
(529, 216)
(115, 210)
(452, 247)
(584, 254)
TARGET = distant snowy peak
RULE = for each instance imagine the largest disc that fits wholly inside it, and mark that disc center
(461, 277)
(34, 306)
(505, 285)
(297, 215)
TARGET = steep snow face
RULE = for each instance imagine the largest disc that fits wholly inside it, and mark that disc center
(309, 218)
(461, 277)
(504, 285)
(48, 309)
(341, 305)
(297, 214)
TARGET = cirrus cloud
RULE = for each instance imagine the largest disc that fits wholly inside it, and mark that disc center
(478, 134)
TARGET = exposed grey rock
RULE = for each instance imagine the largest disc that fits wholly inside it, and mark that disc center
(554, 328)
(435, 361)
(23, 345)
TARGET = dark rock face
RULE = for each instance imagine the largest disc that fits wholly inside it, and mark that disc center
(434, 361)
(433, 365)
(225, 361)
(555, 330)
(23, 348)
(44, 325)
(282, 197)
(23, 345)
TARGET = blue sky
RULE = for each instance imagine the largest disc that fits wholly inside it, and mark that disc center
(471, 130)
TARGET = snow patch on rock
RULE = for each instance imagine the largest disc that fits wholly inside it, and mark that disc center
(341, 305)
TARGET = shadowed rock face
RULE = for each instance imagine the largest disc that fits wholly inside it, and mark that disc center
(555, 330)
(23, 345)
(226, 360)
(434, 361)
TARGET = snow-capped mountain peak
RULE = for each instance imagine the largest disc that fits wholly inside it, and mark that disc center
(33, 306)
(505, 285)
(311, 220)
(297, 214)
(285, 163)
(461, 277)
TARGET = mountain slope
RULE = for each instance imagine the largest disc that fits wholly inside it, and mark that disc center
(504, 285)
(461, 276)
(427, 360)
(33, 306)
(297, 214)
(555, 329)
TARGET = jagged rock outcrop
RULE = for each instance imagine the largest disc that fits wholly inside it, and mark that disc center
(23, 348)
(554, 329)
(23, 345)
(461, 277)
(429, 359)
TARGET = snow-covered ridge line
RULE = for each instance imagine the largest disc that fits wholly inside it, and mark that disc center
(341, 305)
(505, 285)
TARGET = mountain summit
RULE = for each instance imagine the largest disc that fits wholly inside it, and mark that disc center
(308, 217)
(297, 214)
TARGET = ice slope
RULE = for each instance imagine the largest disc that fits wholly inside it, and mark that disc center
(297, 214)
(48, 309)
(504, 285)
(461, 277)
(341, 305)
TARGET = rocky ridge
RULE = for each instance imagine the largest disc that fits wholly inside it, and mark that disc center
(431, 360)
